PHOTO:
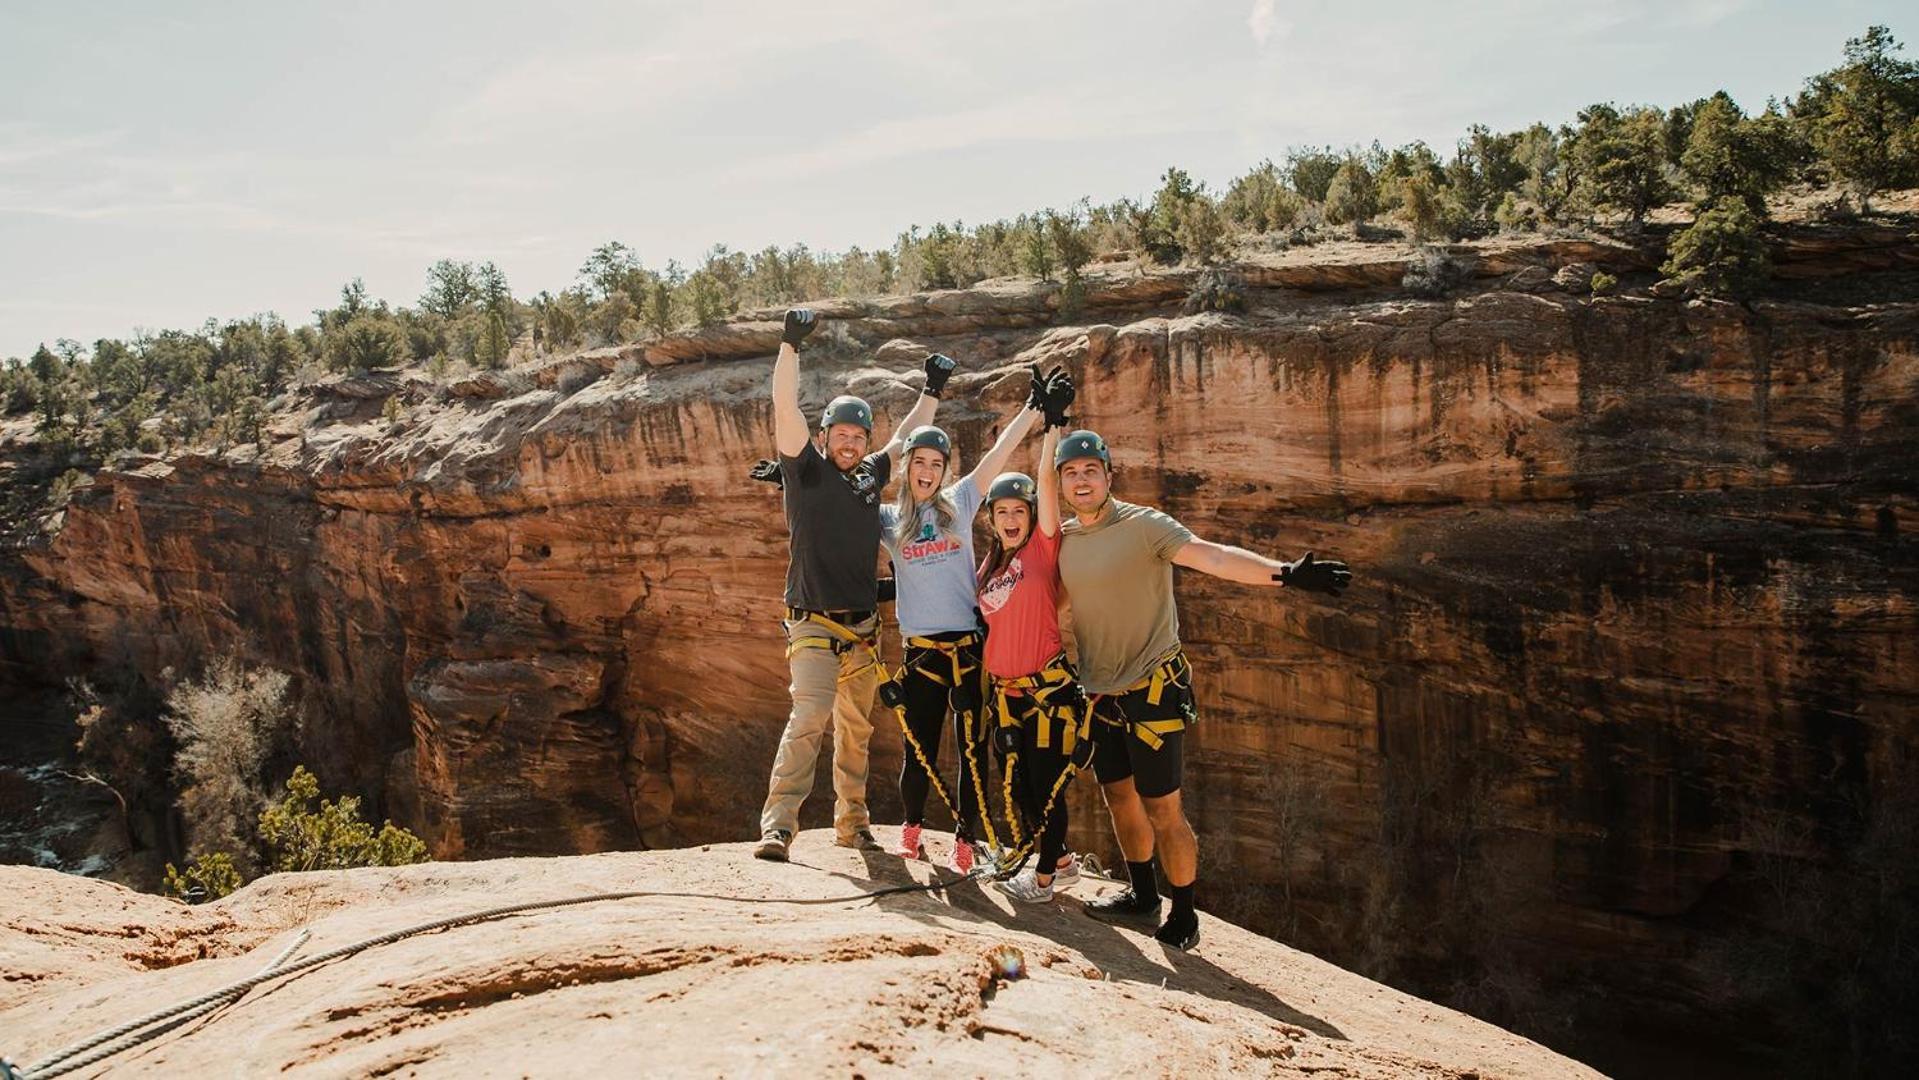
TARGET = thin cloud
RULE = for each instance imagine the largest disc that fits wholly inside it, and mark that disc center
(1262, 21)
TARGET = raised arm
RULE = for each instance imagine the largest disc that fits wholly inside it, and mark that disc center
(938, 369)
(789, 423)
(1247, 568)
(1048, 483)
(994, 461)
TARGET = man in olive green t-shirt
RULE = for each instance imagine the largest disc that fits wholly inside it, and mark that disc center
(1116, 563)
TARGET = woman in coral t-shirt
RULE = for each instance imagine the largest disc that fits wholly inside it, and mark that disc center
(1037, 701)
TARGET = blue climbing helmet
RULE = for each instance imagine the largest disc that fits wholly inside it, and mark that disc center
(1081, 444)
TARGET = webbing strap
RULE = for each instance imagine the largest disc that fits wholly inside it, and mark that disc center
(844, 640)
(1168, 672)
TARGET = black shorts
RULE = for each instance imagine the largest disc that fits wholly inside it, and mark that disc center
(1118, 752)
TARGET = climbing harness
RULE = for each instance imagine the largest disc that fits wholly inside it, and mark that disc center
(963, 678)
(1172, 670)
(151, 1026)
(843, 640)
(1050, 699)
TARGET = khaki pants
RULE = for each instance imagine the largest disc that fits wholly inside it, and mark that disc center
(822, 699)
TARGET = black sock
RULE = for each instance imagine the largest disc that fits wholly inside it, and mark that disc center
(1182, 896)
(1141, 875)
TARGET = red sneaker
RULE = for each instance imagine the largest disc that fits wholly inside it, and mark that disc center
(910, 846)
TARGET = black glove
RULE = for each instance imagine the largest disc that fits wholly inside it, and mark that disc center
(889, 590)
(1059, 394)
(938, 369)
(767, 471)
(1328, 576)
(799, 323)
(1036, 393)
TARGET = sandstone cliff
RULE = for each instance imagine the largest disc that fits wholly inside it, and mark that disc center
(691, 983)
(1630, 643)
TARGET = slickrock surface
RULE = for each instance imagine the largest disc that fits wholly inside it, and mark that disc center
(696, 985)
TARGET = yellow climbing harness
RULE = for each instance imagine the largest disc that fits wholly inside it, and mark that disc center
(1047, 697)
(843, 640)
(1171, 670)
(961, 676)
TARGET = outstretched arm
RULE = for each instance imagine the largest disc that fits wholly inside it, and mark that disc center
(1048, 484)
(938, 368)
(1247, 568)
(789, 423)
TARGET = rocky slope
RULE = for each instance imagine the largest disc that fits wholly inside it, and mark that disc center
(693, 982)
(1630, 645)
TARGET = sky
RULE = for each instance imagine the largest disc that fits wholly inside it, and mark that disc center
(161, 164)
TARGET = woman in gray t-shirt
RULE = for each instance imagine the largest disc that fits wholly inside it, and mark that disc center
(928, 533)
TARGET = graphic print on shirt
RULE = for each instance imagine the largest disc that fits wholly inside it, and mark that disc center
(931, 546)
(999, 588)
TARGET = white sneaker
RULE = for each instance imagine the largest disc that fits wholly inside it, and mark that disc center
(1067, 875)
(1025, 887)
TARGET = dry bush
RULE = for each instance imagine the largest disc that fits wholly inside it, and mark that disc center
(228, 725)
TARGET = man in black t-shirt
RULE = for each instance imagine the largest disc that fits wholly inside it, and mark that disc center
(831, 488)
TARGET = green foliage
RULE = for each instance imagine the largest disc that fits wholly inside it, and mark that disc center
(299, 836)
(1621, 158)
(450, 287)
(1311, 170)
(1201, 231)
(1037, 254)
(1351, 198)
(1727, 153)
(367, 341)
(207, 877)
(1863, 116)
(494, 343)
(609, 267)
(1723, 253)
(1261, 202)
(1172, 205)
(1486, 167)
(1603, 283)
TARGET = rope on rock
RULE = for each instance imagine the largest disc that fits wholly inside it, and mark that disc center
(134, 1032)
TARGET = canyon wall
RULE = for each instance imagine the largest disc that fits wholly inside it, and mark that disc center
(1628, 663)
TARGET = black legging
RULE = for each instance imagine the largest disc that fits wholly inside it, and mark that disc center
(1039, 769)
(927, 703)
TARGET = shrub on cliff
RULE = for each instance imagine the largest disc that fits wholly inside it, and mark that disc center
(1432, 273)
(207, 877)
(1723, 253)
(1729, 153)
(366, 341)
(300, 836)
(1351, 198)
(1261, 202)
(1621, 159)
(228, 725)
(1863, 116)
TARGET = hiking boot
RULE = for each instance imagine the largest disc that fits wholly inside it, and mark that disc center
(1026, 888)
(1125, 906)
(910, 845)
(1181, 934)
(773, 845)
(860, 839)
(1068, 874)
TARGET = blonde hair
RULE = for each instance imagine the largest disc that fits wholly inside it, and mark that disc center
(944, 512)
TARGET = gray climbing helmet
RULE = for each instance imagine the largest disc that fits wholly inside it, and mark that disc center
(928, 437)
(847, 409)
(1013, 485)
(1081, 444)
